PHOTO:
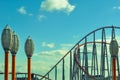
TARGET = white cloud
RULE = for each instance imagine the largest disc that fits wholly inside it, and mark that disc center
(47, 59)
(56, 52)
(61, 51)
(66, 45)
(57, 5)
(50, 45)
(22, 10)
(116, 7)
(41, 67)
(41, 17)
(21, 67)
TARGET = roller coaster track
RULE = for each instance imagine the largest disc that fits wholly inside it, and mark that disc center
(85, 64)
(77, 61)
(78, 70)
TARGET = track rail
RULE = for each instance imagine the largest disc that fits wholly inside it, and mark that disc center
(76, 57)
(80, 44)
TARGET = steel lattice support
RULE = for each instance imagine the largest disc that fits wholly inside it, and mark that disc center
(94, 68)
(89, 59)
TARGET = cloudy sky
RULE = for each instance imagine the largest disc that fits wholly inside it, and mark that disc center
(54, 25)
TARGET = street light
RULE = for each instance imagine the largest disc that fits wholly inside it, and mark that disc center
(114, 53)
(6, 40)
(14, 50)
(29, 48)
(114, 48)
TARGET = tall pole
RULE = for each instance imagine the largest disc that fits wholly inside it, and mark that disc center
(29, 48)
(7, 45)
(29, 68)
(6, 65)
(14, 50)
(13, 67)
(114, 68)
(114, 53)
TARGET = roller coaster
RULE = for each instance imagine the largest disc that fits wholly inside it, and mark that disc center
(88, 59)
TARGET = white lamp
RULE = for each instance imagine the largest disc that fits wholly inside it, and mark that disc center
(114, 48)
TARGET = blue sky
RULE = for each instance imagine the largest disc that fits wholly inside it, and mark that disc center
(54, 25)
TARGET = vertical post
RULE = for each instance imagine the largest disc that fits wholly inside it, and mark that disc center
(14, 50)
(63, 70)
(78, 70)
(114, 68)
(6, 66)
(55, 72)
(29, 68)
(6, 40)
(29, 48)
(102, 66)
(114, 49)
(48, 76)
(13, 67)
(71, 66)
(86, 55)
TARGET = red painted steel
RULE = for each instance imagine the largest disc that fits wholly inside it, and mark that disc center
(6, 66)
(114, 68)
(29, 68)
(13, 67)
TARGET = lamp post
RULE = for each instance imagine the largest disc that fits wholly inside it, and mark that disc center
(6, 44)
(29, 48)
(114, 53)
(14, 50)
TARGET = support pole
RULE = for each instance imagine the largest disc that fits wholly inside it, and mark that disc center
(6, 70)
(13, 67)
(29, 68)
(114, 68)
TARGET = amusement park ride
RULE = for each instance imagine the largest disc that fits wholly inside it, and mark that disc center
(94, 57)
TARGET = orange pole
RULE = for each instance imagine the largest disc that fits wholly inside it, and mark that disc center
(13, 67)
(29, 68)
(114, 68)
(6, 70)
